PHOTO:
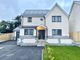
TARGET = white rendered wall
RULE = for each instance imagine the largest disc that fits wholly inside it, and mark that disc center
(35, 21)
(21, 32)
(74, 19)
(64, 25)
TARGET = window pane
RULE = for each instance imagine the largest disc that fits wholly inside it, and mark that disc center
(53, 19)
(30, 31)
(56, 32)
(59, 32)
(25, 31)
(29, 19)
(56, 18)
(59, 18)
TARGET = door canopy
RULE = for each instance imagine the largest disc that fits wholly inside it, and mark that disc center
(41, 28)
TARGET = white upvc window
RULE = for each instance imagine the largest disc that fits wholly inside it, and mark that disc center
(29, 19)
(56, 32)
(56, 18)
(28, 31)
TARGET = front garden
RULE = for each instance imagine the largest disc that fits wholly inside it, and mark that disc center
(61, 53)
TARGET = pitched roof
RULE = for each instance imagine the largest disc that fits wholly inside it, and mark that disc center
(35, 13)
(59, 8)
(17, 29)
(40, 13)
(74, 2)
(77, 2)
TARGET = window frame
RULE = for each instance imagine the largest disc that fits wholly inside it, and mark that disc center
(58, 32)
(29, 31)
(56, 19)
(29, 19)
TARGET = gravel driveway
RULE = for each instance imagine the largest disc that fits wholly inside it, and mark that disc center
(10, 51)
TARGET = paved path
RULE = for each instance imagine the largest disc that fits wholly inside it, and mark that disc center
(10, 51)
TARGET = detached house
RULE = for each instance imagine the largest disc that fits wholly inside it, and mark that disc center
(40, 26)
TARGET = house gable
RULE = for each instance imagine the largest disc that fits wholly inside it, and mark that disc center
(74, 17)
(72, 8)
(57, 11)
(59, 8)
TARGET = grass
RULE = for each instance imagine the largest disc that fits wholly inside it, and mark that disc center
(61, 53)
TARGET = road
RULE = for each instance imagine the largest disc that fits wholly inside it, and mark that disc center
(10, 51)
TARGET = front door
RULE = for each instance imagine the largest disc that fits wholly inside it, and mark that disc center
(41, 34)
(17, 34)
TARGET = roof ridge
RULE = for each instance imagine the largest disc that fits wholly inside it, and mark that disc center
(76, 2)
(56, 4)
(37, 10)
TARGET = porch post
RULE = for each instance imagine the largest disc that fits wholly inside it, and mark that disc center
(46, 34)
(36, 33)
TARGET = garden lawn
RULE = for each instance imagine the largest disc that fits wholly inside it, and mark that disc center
(61, 53)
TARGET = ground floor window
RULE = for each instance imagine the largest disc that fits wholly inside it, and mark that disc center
(17, 34)
(56, 32)
(28, 31)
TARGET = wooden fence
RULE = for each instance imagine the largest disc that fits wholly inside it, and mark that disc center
(5, 37)
(75, 36)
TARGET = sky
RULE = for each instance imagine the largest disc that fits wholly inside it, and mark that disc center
(9, 9)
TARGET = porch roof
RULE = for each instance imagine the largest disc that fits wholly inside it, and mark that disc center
(40, 27)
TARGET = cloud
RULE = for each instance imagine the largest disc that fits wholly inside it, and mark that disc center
(9, 3)
(65, 4)
(43, 4)
(8, 9)
(11, 8)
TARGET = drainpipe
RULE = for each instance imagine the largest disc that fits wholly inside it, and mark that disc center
(45, 26)
(44, 20)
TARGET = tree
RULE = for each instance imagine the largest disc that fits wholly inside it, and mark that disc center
(3, 25)
(6, 27)
(18, 20)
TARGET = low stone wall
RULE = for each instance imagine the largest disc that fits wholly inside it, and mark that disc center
(75, 36)
(60, 41)
(5, 37)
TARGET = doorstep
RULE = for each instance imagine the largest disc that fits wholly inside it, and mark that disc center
(41, 42)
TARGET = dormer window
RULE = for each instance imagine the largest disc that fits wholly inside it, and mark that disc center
(29, 19)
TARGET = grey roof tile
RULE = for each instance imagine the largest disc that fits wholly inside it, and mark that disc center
(35, 13)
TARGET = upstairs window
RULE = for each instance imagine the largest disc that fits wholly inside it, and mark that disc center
(56, 18)
(29, 19)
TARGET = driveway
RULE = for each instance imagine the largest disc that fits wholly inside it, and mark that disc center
(10, 51)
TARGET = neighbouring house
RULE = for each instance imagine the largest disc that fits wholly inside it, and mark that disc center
(74, 21)
(51, 26)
